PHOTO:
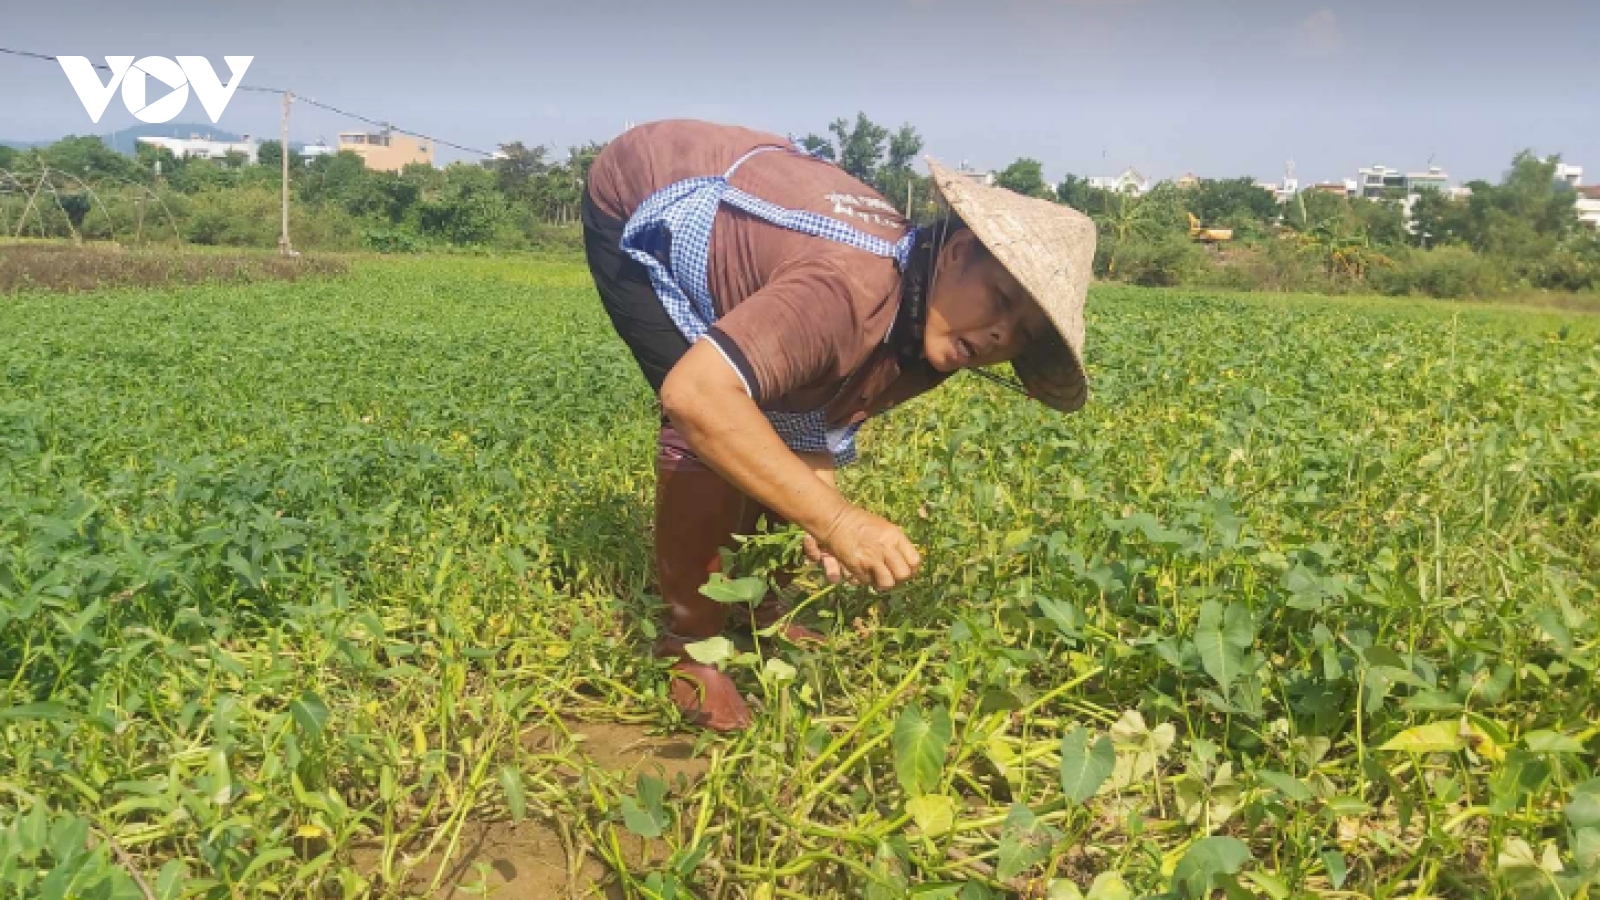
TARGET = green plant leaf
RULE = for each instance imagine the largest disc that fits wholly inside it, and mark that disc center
(50, 710)
(1109, 886)
(1435, 737)
(1015, 538)
(1206, 862)
(1348, 806)
(1238, 626)
(1063, 889)
(1287, 785)
(653, 794)
(1586, 850)
(935, 814)
(888, 881)
(1216, 638)
(1554, 626)
(310, 714)
(1066, 616)
(68, 839)
(1338, 869)
(1024, 842)
(1272, 885)
(645, 814)
(33, 830)
(1522, 773)
(749, 590)
(920, 744)
(170, 880)
(638, 821)
(778, 670)
(713, 651)
(1084, 768)
(516, 799)
(1583, 807)
(1552, 742)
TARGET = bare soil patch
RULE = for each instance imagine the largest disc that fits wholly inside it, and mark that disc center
(69, 268)
(531, 860)
(627, 750)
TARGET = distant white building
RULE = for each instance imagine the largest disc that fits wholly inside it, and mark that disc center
(309, 152)
(1285, 190)
(1131, 181)
(1588, 205)
(1587, 202)
(1377, 182)
(1291, 184)
(205, 148)
(1382, 182)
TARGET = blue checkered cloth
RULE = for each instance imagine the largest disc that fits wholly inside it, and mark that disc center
(670, 235)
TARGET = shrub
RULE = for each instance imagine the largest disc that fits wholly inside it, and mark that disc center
(1268, 265)
(249, 217)
(1444, 272)
(1574, 266)
(389, 240)
(1163, 262)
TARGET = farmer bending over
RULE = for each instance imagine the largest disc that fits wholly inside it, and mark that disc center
(775, 303)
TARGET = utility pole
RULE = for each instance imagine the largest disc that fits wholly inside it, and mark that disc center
(284, 247)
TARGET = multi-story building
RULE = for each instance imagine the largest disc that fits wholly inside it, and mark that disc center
(1384, 183)
(1588, 205)
(386, 151)
(1377, 182)
(1587, 202)
(195, 146)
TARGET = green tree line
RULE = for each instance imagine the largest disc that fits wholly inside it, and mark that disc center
(519, 200)
(1519, 234)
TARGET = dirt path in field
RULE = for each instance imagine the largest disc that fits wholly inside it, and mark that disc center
(530, 861)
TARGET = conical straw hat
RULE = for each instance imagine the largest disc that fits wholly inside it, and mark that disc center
(1049, 249)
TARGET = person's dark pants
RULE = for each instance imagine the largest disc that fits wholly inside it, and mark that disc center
(629, 298)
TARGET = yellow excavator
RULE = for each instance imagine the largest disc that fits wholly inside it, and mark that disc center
(1208, 235)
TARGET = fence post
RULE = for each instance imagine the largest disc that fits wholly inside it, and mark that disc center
(284, 247)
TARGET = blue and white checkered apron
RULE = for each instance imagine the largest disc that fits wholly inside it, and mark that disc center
(678, 220)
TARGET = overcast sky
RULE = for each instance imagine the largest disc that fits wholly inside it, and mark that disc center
(1221, 88)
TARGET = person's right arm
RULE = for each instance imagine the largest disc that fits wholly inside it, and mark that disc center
(707, 401)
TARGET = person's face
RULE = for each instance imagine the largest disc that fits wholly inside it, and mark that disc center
(978, 314)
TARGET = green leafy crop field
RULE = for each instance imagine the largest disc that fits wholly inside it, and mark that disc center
(311, 589)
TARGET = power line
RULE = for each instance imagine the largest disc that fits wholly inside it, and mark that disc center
(42, 56)
(370, 121)
(300, 97)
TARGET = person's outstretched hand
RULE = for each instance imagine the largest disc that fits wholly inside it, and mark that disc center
(870, 548)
